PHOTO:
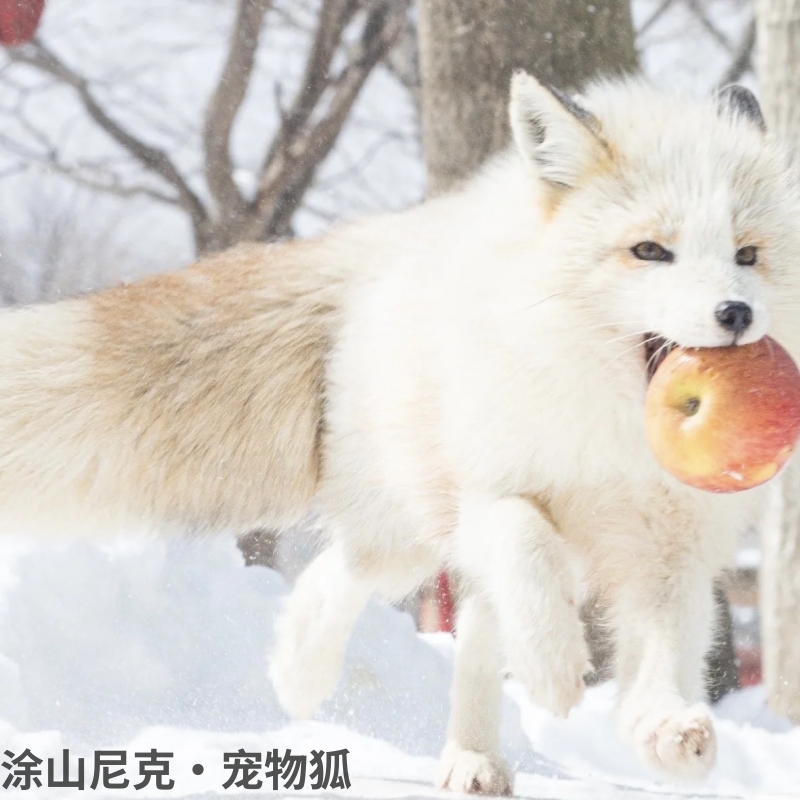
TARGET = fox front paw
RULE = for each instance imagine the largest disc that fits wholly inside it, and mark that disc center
(679, 742)
(471, 772)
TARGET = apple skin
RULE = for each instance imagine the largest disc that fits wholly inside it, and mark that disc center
(724, 419)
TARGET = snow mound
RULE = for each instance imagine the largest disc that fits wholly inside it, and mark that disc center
(163, 644)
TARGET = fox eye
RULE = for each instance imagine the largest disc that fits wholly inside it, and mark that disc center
(747, 256)
(651, 251)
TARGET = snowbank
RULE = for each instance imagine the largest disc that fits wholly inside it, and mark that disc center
(163, 644)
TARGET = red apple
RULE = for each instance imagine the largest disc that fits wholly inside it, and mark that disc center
(19, 20)
(724, 419)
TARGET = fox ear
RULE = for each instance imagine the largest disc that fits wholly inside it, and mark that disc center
(740, 102)
(556, 136)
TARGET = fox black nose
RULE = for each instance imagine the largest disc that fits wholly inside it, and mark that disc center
(734, 316)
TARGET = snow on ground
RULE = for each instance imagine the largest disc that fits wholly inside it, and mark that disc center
(162, 644)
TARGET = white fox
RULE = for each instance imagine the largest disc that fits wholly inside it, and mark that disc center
(460, 385)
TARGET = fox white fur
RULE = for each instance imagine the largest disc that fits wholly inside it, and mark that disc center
(460, 385)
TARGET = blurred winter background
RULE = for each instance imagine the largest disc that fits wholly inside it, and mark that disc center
(106, 175)
(79, 210)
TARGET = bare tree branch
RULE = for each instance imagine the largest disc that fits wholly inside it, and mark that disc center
(355, 166)
(113, 186)
(19, 149)
(225, 103)
(712, 29)
(356, 34)
(291, 15)
(655, 17)
(293, 163)
(402, 61)
(334, 17)
(153, 158)
(742, 57)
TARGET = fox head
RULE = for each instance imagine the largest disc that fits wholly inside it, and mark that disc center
(674, 218)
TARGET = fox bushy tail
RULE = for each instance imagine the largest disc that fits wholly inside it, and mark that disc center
(192, 399)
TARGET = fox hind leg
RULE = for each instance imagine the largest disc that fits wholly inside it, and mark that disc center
(315, 626)
(313, 630)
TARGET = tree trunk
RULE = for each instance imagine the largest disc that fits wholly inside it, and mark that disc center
(779, 597)
(778, 68)
(469, 49)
